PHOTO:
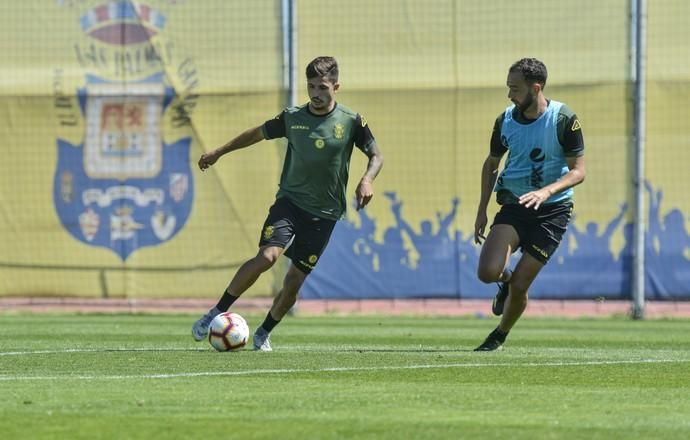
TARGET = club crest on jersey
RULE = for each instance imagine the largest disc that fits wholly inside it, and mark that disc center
(120, 185)
(339, 131)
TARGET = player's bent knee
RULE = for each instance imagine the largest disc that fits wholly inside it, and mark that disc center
(265, 260)
(488, 275)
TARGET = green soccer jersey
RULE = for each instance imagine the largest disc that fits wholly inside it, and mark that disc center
(317, 160)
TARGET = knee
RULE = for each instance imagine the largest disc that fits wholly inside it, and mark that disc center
(266, 259)
(488, 274)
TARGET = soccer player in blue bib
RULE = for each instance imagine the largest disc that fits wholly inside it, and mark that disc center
(545, 161)
(311, 193)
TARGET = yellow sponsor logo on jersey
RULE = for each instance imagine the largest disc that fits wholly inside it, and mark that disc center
(300, 127)
(268, 232)
(339, 131)
(319, 143)
(576, 125)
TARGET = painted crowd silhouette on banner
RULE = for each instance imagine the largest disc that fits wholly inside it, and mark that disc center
(435, 261)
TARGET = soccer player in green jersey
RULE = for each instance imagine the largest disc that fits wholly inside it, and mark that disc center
(545, 148)
(311, 194)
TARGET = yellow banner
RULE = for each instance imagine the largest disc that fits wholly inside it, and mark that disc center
(106, 106)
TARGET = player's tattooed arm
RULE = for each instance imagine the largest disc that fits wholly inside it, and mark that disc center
(365, 189)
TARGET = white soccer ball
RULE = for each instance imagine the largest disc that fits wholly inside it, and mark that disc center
(228, 332)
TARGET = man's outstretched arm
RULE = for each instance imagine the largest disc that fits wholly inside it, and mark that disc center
(244, 139)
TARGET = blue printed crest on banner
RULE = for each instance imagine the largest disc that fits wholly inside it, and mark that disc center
(123, 188)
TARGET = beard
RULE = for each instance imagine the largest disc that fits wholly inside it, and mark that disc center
(524, 105)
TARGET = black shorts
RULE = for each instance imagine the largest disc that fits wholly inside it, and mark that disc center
(309, 233)
(540, 231)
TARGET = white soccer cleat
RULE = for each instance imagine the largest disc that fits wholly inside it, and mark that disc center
(200, 328)
(262, 340)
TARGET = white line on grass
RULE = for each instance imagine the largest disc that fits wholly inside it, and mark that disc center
(96, 350)
(7, 378)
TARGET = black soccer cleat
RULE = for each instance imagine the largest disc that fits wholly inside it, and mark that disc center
(490, 344)
(494, 341)
(500, 298)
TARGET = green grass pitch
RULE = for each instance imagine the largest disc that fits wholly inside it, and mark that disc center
(143, 377)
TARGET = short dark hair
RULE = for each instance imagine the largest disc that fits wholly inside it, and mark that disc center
(532, 70)
(323, 67)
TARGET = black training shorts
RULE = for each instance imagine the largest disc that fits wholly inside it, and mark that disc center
(540, 230)
(311, 233)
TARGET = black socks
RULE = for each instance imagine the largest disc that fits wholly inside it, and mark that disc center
(226, 301)
(269, 323)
